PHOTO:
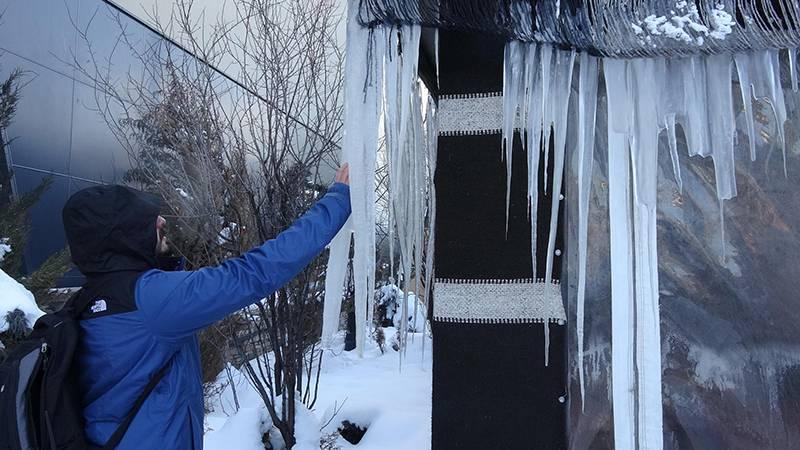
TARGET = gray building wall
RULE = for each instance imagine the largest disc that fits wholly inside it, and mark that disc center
(57, 131)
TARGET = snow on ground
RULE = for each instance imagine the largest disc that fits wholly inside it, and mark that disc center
(15, 296)
(394, 403)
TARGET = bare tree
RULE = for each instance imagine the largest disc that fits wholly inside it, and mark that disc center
(238, 156)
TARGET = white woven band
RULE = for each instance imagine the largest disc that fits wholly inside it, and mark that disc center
(497, 301)
(470, 114)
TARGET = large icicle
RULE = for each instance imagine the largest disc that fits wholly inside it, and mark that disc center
(338, 257)
(556, 116)
(669, 124)
(721, 122)
(793, 68)
(536, 91)
(420, 140)
(558, 109)
(746, 88)
(405, 147)
(644, 164)
(360, 143)
(776, 99)
(551, 81)
(362, 168)
(671, 105)
(513, 96)
(546, 69)
(431, 137)
(759, 78)
(393, 132)
(695, 123)
(620, 229)
(587, 105)
(536, 94)
(382, 83)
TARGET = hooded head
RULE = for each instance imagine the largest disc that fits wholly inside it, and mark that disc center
(112, 228)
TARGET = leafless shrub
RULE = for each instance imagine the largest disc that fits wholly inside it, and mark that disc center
(237, 159)
(380, 338)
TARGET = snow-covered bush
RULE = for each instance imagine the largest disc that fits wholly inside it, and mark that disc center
(18, 311)
(5, 247)
(415, 312)
(14, 297)
(389, 301)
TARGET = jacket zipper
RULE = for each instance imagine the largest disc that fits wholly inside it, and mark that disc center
(43, 397)
(33, 432)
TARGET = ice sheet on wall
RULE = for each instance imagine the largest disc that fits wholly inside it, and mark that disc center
(730, 370)
(647, 96)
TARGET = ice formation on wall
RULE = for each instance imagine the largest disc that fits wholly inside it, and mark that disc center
(620, 225)
(645, 97)
(536, 89)
(407, 156)
(431, 136)
(382, 87)
(587, 108)
(361, 118)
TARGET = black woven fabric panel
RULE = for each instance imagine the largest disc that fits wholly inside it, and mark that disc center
(470, 63)
(490, 386)
(471, 240)
(491, 389)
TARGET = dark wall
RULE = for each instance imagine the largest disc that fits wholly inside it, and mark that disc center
(57, 130)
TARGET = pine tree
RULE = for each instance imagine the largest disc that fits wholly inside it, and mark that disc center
(15, 227)
(43, 279)
(14, 212)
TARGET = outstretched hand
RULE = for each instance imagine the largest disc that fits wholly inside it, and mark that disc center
(343, 175)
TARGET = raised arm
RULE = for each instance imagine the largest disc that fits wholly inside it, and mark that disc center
(176, 304)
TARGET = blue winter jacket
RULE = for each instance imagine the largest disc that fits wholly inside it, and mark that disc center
(120, 353)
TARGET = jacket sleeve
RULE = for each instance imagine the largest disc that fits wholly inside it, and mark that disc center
(177, 304)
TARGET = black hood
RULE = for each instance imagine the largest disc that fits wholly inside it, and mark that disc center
(112, 228)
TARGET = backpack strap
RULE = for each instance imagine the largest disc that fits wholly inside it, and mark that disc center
(119, 433)
(117, 298)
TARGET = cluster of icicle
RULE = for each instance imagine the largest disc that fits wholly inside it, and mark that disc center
(382, 89)
(645, 97)
(619, 28)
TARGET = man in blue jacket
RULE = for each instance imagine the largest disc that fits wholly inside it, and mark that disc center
(141, 319)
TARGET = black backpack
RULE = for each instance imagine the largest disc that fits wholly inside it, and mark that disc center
(39, 399)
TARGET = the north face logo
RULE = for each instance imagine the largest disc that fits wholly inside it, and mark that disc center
(99, 305)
